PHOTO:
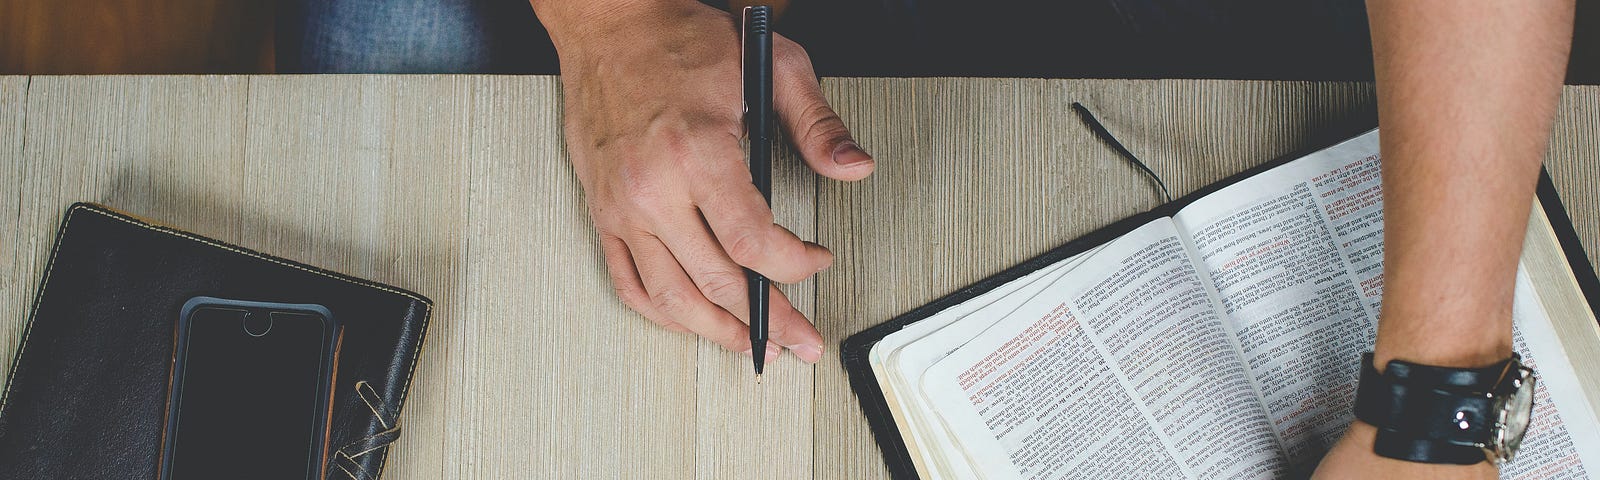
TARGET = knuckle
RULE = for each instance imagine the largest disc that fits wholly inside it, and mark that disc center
(670, 301)
(794, 73)
(663, 322)
(791, 54)
(731, 338)
(781, 317)
(723, 288)
(734, 190)
(777, 330)
(823, 123)
(635, 177)
(747, 248)
(634, 299)
(639, 187)
(677, 146)
(630, 294)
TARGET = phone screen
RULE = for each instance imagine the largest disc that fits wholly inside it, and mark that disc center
(248, 393)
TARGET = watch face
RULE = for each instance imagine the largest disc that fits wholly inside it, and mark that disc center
(1516, 412)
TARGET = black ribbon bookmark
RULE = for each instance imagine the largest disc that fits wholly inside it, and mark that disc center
(1105, 135)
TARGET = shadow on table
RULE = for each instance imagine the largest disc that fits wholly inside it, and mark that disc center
(404, 253)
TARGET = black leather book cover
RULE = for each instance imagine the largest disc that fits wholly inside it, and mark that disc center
(86, 395)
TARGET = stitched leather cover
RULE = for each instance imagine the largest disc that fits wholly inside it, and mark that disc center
(86, 394)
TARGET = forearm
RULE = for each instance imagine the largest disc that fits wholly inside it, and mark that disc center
(1467, 92)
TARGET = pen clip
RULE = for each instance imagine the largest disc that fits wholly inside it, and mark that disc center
(744, 60)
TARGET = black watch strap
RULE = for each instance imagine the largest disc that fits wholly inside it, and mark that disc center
(1393, 445)
(1428, 414)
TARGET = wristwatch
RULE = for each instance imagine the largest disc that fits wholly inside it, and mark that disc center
(1447, 415)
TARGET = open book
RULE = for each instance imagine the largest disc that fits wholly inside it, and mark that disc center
(1219, 340)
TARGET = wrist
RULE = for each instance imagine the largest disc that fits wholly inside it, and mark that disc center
(1461, 350)
(1441, 336)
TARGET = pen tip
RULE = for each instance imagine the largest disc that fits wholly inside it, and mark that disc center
(758, 379)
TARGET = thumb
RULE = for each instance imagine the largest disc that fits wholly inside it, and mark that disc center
(818, 133)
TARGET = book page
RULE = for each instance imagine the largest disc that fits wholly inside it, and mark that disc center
(1296, 255)
(900, 358)
(1118, 370)
(943, 333)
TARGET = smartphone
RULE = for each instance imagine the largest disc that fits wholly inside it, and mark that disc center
(250, 390)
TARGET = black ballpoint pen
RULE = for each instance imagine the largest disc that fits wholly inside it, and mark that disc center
(757, 61)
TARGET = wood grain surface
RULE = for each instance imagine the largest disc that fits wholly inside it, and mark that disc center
(17, 250)
(458, 187)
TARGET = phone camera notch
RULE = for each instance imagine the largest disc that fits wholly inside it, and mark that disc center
(257, 325)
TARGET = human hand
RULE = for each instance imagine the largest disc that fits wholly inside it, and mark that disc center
(653, 106)
(1352, 457)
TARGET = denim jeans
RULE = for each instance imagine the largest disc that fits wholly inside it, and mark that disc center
(410, 36)
(1249, 39)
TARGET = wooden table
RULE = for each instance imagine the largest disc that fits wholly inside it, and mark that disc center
(458, 187)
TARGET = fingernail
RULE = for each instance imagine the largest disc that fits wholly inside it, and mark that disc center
(772, 351)
(746, 352)
(848, 154)
(809, 353)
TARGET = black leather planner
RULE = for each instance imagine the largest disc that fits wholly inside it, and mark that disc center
(88, 388)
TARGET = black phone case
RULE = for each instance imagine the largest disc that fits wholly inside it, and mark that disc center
(87, 391)
(330, 342)
(856, 349)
